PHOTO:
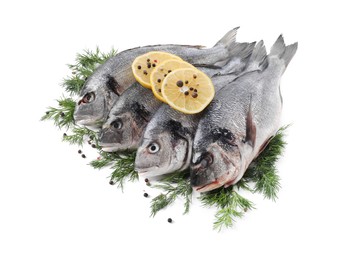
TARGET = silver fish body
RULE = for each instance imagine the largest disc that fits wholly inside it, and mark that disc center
(111, 79)
(239, 123)
(167, 142)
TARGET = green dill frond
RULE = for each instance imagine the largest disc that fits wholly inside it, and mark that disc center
(218, 197)
(124, 169)
(105, 159)
(230, 205)
(262, 171)
(272, 152)
(90, 58)
(268, 184)
(175, 185)
(73, 84)
(161, 201)
(122, 166)
(100, 163)
(225, 218)
(62, 115)
(78, 135)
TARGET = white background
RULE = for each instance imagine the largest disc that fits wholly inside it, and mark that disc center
(54, 206)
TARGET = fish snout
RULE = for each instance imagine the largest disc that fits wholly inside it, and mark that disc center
(141, 164)
(140, 153)
(107, 136)
(199, 169)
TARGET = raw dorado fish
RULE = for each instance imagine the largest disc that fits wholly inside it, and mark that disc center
(239, 123)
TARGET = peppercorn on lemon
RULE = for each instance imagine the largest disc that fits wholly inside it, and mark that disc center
(143, 65)
(188, 90)
(161, 71)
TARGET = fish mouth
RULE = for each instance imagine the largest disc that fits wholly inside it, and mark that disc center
(90, 123)
(219, 182)
(81, 121)
(150, 171)
(207, 187)
(109, 147)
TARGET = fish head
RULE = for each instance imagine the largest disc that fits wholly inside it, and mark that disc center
(162, 152)
(216, 161)
(95, 100)
(126, 122)
(120, 132)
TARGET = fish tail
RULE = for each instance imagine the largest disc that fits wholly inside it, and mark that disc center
(242, 50)
(283, 52)
(239, 52)
(257, 61)
(289, 53)
(228, 39)
(228, 44)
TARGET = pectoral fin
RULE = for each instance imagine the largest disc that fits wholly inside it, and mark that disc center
(251, 130)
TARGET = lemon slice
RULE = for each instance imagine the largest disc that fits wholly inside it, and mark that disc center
(188, 90)
(161, 71)
(143, 65)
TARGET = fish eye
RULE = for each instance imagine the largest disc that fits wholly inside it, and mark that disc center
(89, 97)
(153, 148)
(117, 124)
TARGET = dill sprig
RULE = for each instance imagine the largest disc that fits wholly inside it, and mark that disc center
(122, 166)
(78, 135)
(230, 205)
(62, 115)
(124, 169)
(175, 185)
(263, 171)
(105, 159)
